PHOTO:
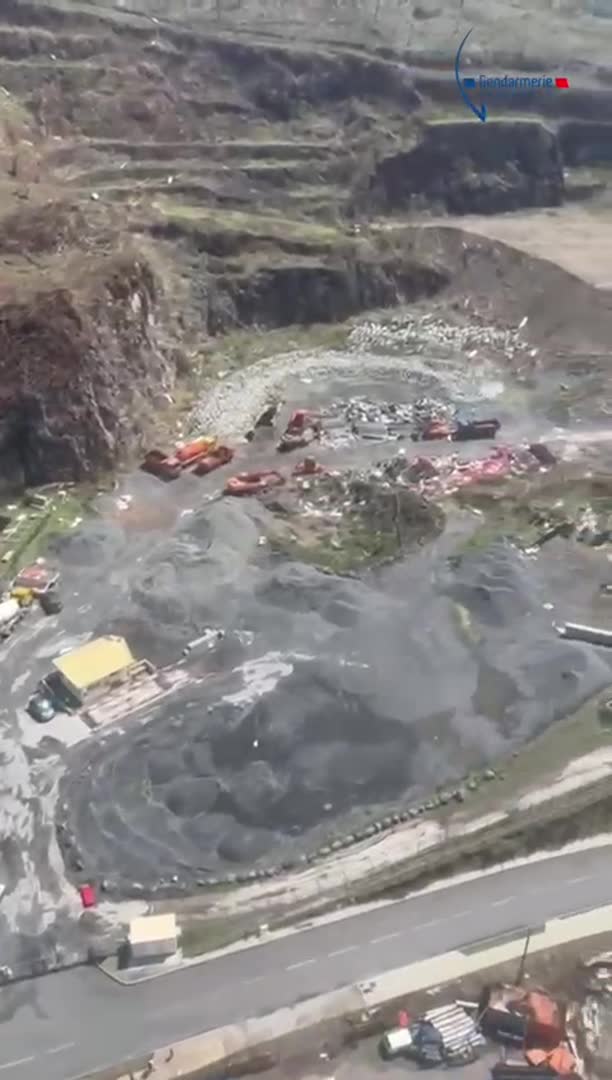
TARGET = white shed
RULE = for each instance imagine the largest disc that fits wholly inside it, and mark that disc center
(153, 937)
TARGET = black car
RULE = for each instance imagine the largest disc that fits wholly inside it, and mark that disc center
(41, 709)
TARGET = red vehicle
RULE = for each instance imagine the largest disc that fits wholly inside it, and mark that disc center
(253, 483)
(436, 429)
(221, 455)
(88, 896)
(170, 466)
(39, 579)
(298, 421)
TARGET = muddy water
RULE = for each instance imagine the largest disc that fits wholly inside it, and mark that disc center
(330, 700)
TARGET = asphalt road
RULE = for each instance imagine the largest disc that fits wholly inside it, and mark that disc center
(64, 1025)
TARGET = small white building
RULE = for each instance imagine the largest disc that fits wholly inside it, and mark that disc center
(152, 938)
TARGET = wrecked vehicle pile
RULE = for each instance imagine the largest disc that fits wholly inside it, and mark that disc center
(540, 1029)
(445, 476)
(200, 456)
(360, 418)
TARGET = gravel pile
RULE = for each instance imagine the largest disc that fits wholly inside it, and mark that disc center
(438, 351)
(423, 331)
(363, 411)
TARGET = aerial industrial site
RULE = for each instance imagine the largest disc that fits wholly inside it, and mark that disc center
(305, 538)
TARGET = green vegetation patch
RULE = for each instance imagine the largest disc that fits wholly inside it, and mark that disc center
(378, 525)
(33, 523)
(205, 935)
(528, 511)
(258, 225)
(239, 348)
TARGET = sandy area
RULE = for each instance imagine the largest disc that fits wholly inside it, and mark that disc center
(577, 239)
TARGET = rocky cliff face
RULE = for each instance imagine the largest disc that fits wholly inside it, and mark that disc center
(323, 292)
(475, 168)
(588, 143)
(80, 372)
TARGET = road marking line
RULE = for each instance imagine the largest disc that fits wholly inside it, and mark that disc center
(460, 914)
(578, 880)
(340, 952)
(302, 963)
(386, 937)
(18, 1061)
(251, 979)
(504, 900)
(58, 1049)
(424, 925)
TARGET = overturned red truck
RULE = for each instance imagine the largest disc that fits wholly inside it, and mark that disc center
(303, 428)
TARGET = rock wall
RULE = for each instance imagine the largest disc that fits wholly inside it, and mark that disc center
(79, 374)
(474, 168)
(320, 292)
(588, 143)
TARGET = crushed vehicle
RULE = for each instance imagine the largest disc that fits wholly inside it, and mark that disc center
(253, 483)
(220, 455)
(302, 429)
(184, 459)
(308, 467)
(475, 429)
(39, 579)
(38, 582)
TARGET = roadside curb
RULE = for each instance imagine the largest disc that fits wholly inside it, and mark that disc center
(251, 942)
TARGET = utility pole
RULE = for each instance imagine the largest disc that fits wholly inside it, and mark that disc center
(521, 971)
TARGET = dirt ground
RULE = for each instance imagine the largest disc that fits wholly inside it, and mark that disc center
(365, 1063)
(577, 238)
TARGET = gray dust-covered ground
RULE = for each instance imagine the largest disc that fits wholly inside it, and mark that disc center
(332, 698)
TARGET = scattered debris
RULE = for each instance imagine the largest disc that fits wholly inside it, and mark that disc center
(591, 634)
(268, 416)
(444, 1035)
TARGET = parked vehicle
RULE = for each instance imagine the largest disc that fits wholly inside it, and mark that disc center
(10, 614)
(170, 466)
(220, 455)
(436, 429)
(395, 1043)
(41, 709)
(51, 603)
(37, 579)
(476, 429)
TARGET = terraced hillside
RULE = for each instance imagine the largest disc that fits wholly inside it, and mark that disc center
(163, 182)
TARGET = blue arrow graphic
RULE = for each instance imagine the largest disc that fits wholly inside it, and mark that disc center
(481, 112)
